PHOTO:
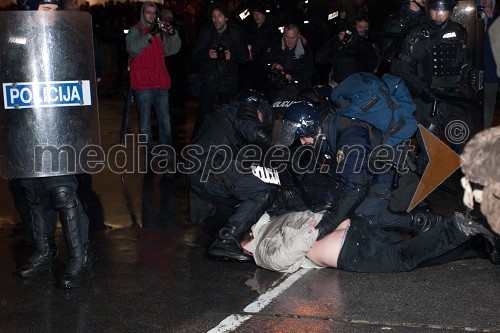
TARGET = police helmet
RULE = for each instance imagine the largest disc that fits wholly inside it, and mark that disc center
(316, 95)
(301, 119)
(446, 5)
(440, 5)
(33, 4)
(257, 100)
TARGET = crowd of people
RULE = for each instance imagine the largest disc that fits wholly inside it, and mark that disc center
(300, 79)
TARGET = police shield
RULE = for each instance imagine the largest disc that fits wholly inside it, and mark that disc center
(465, 13)
(49, 123)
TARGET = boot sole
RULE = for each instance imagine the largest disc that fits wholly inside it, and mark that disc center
(38, 273)
(218, 256)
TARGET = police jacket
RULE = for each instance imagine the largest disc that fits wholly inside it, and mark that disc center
(148, 70)
(432, 56)
(297, 62)
(349, 143)
(220, 74)
(358, 55)
(232, 126)
(400, 24)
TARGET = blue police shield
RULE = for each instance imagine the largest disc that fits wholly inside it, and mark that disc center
(49, 120)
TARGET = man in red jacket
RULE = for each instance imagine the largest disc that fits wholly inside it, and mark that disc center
(148, 43)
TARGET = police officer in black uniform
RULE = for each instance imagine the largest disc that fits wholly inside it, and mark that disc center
(57, 193)
(434, 61)
(225, 179)
(408, 16)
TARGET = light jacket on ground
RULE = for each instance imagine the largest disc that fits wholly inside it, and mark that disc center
(281, 243)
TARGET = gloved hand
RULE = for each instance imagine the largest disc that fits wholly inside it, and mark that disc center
(327, 224)
(341, 209)
(473, 78)
(155, 29)
(427, 96)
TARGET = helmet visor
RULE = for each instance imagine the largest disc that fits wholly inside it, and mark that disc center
(284, 132)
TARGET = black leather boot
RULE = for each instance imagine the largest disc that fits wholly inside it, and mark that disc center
(45, 256)
(227, 246)
(422, 219)
(43, 259)
(75, 226)
(78, 269)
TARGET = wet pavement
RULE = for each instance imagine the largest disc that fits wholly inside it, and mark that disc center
(162, 281)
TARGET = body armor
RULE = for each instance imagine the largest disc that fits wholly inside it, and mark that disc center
(445, 55)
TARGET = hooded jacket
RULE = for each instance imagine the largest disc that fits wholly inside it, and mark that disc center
(148, 70)
(281, 243)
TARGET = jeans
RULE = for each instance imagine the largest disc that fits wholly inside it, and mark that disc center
(159, 99)
(368, 248)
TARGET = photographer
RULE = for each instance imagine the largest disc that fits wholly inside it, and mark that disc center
(218, 50)
(349, 52)
(148, 42)
(291, 64)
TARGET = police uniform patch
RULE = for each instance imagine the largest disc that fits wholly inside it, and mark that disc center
(340, 156)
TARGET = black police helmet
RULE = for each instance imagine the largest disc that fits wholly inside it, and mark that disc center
(447, 5)
(302, 119)
(257, 100)
(33, 4)
(316, 94)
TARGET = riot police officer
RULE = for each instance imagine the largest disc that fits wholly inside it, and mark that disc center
(355, 190)
(224, 178)
(409, 15)
(56, 193)
(434, 64)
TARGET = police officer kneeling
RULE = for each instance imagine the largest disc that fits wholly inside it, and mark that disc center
(221, 138)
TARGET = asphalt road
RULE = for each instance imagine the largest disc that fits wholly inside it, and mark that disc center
(162, 281)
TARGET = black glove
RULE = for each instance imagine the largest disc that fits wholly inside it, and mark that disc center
(327, 224)
(473, 78)
(340, 210)
(155, 29)
(427, 96)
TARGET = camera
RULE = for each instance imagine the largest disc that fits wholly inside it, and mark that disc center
(165, 25)
(347, 37)
(278, 78)
(220, 49)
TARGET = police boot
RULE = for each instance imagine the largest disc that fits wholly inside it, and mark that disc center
(75, 226)
(422, 219)
(45, 256)
(78, 269)
(43, 259)
(227, 246)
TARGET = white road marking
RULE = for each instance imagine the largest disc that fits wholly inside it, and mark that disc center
(234, 321)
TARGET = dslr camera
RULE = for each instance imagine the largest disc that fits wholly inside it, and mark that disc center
(166, 26)
(278, 78)
(220, 49)
(347, 37)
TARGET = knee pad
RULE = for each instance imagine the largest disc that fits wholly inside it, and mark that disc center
(63, 197)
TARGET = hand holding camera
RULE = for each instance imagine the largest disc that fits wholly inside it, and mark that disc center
(219, 52)
(345, 37)
(160, 26)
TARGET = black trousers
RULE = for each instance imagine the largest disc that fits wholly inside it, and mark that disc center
(369, 248)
